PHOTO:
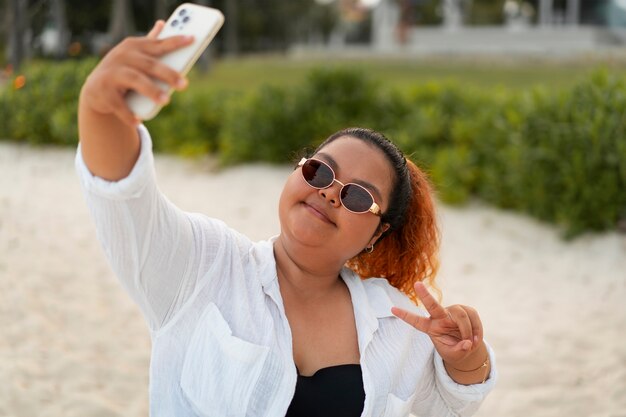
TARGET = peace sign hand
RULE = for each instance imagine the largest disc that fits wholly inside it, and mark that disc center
(456, 331)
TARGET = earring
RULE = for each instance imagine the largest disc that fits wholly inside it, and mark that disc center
(370, 248)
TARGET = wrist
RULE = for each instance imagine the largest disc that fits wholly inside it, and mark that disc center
(473, 369)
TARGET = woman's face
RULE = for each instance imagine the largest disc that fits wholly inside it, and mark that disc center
(316, 219)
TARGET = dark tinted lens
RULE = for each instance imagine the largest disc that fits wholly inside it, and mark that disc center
(317, 174)
(356, 198)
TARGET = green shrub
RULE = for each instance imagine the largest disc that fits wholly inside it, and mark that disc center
(272, 123)
(574, 156)
(63, 127)
(39, 112)
(440, 116)
(557, 155)
(190, 124)
(331, 100)
(5, 114)
(453, 173)
(498, 149)
(260, 126)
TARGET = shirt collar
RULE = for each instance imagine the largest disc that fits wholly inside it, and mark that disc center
(370, 303)
(366, 293)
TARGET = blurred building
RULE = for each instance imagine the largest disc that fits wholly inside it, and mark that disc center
(527, 26)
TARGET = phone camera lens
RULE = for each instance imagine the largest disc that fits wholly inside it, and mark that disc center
(174, 23)
(186, 19)
(183, 12)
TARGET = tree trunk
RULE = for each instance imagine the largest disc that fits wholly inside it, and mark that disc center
(230, 27)
(160, 9)
(17, 20)
(121, 23)
(206, 59)
(60, 24)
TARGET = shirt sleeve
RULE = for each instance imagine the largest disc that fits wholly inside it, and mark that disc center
(441, 396)
(152, 246)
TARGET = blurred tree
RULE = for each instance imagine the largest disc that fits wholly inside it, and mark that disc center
(88, 17)
(121, 23)
(17, 29)
(265, 25)
(427, 12)
(486, 12)
(161, 8)
(3, 31)
(58, 12)
(206, 59)
(231, 32)
(251, 25)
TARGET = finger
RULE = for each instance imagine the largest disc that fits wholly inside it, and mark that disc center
(477, 325)
(449, 340)
(124, 114)
(156, 29)
(435, 309)
(462, 320)
(419, 322)
(462, 346)
(160, 47)
(142, 84)
(152, 67)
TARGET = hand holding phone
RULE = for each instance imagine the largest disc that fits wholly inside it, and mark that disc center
(201, 23)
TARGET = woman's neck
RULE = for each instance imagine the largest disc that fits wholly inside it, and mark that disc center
(304, 274)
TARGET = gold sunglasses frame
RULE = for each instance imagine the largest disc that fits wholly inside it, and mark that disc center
(374, 208)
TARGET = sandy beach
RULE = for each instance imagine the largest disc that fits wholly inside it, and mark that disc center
(73, 344)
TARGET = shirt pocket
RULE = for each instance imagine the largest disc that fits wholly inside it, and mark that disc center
(220, 371)
(397, 407)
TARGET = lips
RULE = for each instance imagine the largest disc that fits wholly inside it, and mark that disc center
(318, 212)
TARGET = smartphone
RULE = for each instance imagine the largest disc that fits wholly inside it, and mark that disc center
(202, 23)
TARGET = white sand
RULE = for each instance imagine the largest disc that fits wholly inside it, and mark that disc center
(73, 344)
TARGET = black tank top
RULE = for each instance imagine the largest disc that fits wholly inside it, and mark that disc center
(333, 391)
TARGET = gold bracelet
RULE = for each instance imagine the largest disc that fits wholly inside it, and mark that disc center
(484, 365)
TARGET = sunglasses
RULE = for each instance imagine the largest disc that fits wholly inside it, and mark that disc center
(354, 197)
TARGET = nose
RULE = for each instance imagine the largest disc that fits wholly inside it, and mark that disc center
(331, 194)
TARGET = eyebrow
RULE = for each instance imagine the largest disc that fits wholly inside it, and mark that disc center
(365, 184)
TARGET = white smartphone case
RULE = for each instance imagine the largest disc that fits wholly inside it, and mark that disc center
(202, 23)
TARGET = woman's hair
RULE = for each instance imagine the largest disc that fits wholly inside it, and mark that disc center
(407, 251)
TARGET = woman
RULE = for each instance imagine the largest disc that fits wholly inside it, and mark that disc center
(279, 327)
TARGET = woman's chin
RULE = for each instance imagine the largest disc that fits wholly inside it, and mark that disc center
(308, 232)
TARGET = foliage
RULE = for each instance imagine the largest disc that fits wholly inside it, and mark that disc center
(559, 155)
(190, 124)
(39, 104)
(570, 159)
(273, 122)
(486, 12)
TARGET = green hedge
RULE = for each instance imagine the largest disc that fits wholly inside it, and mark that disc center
(557, 155)
(560, 157)
(272, 123)
(43, 110)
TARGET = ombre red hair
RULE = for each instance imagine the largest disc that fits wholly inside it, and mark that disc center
(408, 251)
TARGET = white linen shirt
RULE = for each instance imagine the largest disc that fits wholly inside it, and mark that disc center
(221, 342)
